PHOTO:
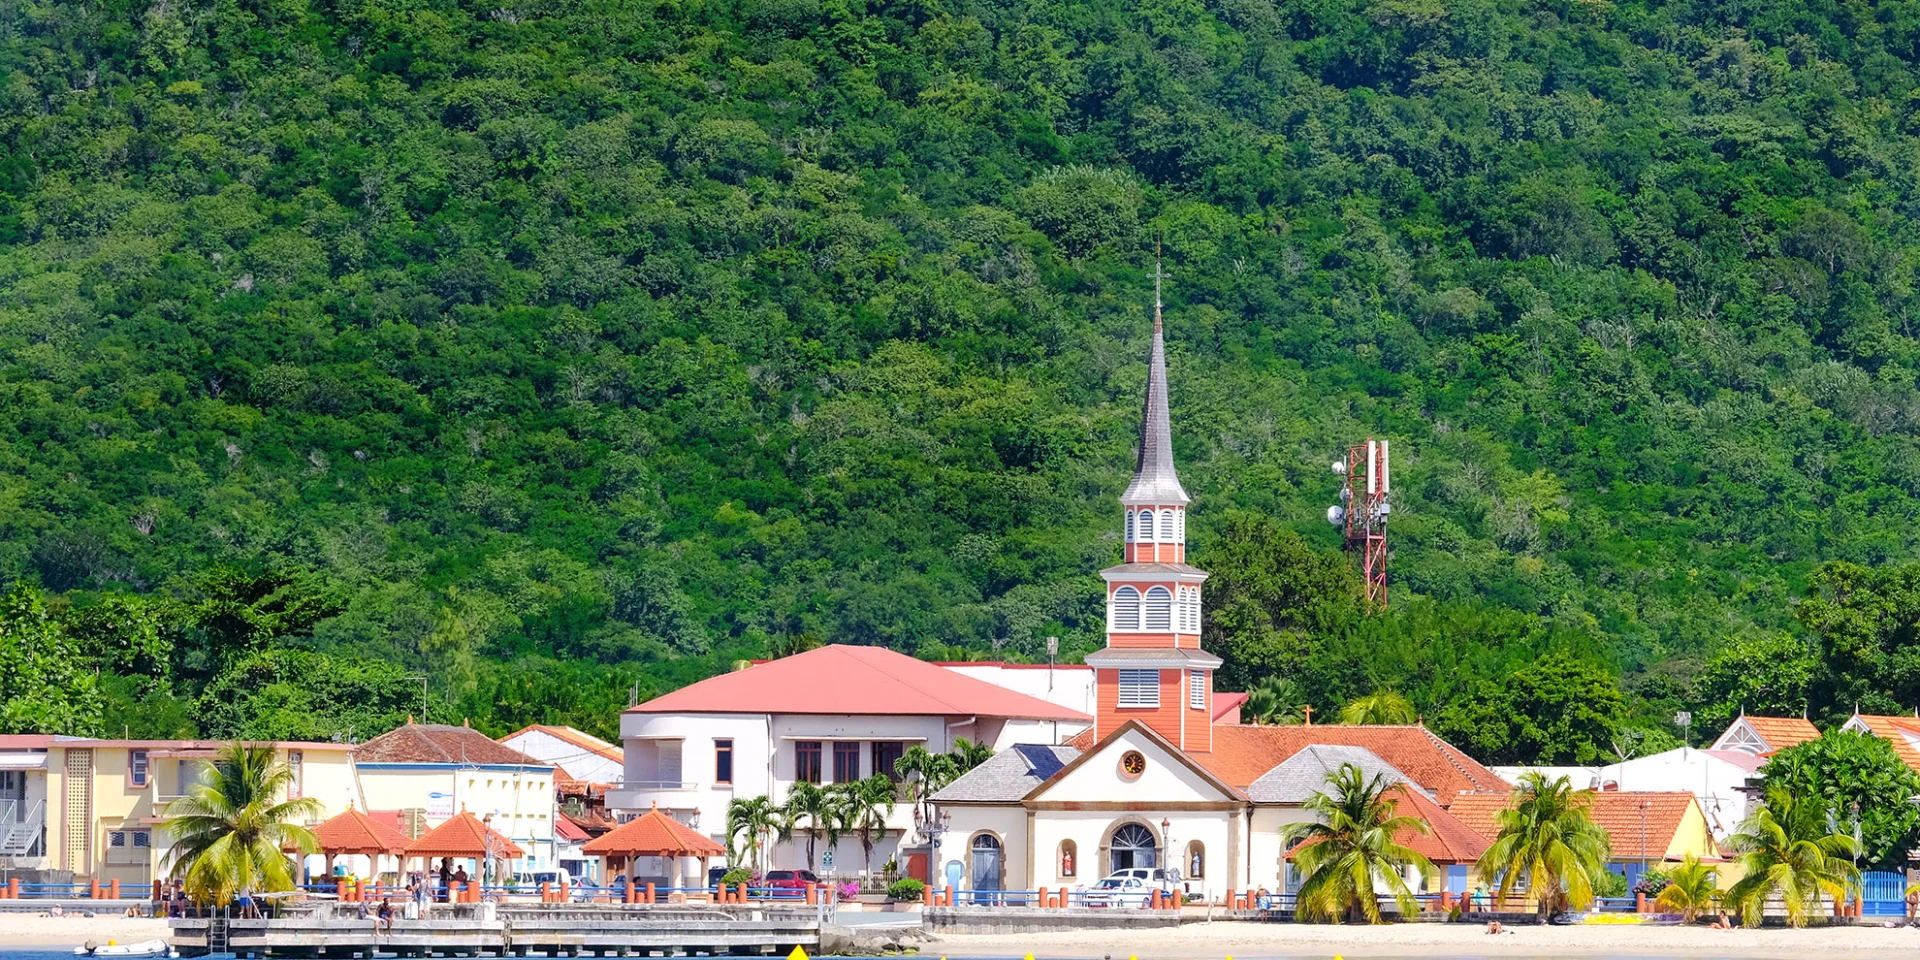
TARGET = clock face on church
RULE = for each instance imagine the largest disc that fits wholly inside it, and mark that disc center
(1132, 764)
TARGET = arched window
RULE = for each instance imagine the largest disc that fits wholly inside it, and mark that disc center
(1133, 846)
(1159, 609)
(1169, 527)
(1129, 526)
(1069, 859)
(1124, 612)
(1196, 860)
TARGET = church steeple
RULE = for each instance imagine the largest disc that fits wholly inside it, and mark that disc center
(1153, 669)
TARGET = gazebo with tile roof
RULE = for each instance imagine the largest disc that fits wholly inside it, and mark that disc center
(653, 834)
(465, 837)
(354, 833)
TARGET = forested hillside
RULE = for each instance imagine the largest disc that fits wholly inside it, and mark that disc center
(546, 348)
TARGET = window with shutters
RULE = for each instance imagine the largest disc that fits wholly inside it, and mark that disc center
(1159, 609)
(1124, 613)
(1139, 688)
(1129, 526)
(1181, 533)
(1197, 689)
(137, 767)
(1167, 527)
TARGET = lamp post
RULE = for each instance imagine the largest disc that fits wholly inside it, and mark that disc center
(1645, 805)
(486, 839)
(931, 822)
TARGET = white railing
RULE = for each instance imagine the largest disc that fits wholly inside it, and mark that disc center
(21, 831)
(658, 785)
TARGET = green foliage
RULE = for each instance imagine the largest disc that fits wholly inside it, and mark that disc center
(1275, 700)
(1354, 849)
(906, 890)
(1786, 849)
(1850, 777)
(753, 824)
(1548, 838)
(1609, 884)
(1562, 709)
(300, 695)
(1690, 890)
(737, 876)
(44, 684)
(1379, 707)
(235, 829)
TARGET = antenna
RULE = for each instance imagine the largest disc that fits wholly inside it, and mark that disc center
(1363, 511)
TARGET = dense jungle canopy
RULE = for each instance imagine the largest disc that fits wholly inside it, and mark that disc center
(509, 359)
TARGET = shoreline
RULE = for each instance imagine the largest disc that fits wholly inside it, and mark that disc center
(1244, 940)
(30, 931)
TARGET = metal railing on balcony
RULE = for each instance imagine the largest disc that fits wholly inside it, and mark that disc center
(21, 828)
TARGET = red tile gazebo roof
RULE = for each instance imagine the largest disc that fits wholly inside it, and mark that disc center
(463, 836)
(355, 832)
(653, 834)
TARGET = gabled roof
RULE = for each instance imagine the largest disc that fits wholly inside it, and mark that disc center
(844, 680)
(653, 834)
(464, 836)
(439, 743)
(355, 832)
(1619, 812)
(1899, 731)
(1227, 703)
(1304, 774)
(1447, 839)
(587, 742)
(1242, 754)
(1153, 736)
(1008, 775)
(1772, 733)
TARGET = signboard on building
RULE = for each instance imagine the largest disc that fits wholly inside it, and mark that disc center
(440, 805)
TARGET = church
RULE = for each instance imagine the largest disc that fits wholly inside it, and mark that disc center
(1167, 776)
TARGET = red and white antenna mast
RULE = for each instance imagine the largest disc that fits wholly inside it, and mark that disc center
(1365, 504)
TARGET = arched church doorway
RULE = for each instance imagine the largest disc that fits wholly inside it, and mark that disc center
(1133, 846)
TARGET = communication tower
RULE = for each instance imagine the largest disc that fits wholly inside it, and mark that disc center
(1365, 504)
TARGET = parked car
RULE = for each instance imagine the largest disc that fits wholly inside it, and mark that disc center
(1119, 891)
(529, 881)
(714, 874)
(1167, 880)
(790, 879)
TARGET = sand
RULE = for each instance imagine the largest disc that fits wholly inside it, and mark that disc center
(31, 930)
(1214, 941)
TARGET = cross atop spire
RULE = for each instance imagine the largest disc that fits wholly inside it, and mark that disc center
(1154, 479)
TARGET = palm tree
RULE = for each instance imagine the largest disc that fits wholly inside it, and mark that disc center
(1353, 850)
(966, 755)
(750, 822)
(1274, 701)
(1381, 707)
(233, 829)
(864, 807)
(1786, 847)
(810, 804)
(924, 771)
(1690, 889)
(1549, 837)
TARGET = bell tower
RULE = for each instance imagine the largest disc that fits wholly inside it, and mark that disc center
(1153, 669)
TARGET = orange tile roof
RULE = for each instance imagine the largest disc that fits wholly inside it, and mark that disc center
(1616, 811)
(841, 679)
(439, 743)
(355, 832)
(464, 836)
(1241, 754)
(1446, 841)
(654, 834)
(1783, 732)
(578, 738)
(1894, 730)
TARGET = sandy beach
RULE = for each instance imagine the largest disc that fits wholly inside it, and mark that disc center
(30, 930)
(1214, 941)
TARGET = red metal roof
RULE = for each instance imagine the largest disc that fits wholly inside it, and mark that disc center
(356, 832)
(654, 834)
(1225, 704)
(463, 836)
(848, 680)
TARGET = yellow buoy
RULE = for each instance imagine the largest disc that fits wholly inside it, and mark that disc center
(799, 953)
(1029, 955)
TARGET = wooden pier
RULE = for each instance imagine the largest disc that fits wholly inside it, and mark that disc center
(511, 930)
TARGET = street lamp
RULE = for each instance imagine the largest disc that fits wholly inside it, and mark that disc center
(931, 822)
(486, 839)
(1645, 805)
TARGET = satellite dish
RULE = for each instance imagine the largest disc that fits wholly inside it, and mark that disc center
(1336, 515)
(1339, 466)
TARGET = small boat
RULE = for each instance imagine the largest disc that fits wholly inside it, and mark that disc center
(145, 948)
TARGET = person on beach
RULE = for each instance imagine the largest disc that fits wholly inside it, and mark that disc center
(1493, 927)
(386, 916)
(1722, 922)
(1913, 902)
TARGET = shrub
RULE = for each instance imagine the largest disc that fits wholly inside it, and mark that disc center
(737, 875)
(847, 889)
(907, 890)
(1651, 883)
(1610, 885)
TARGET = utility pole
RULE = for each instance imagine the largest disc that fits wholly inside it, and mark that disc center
(1365, 504)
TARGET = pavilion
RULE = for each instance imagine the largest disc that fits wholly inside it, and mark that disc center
(465, 837)
(353, 833)
(654, 834)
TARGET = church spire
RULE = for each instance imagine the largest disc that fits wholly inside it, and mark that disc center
(1154, 478)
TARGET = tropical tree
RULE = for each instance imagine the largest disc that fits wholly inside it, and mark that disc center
(1354, 849)
(863, 808)
(751, 823)
(966, 755)
(925, 772)
(1274, 701)
(1787, 848)
(1690, 889)
(1381, 707)
(232, 830)
(1548, 837)
(813, 806)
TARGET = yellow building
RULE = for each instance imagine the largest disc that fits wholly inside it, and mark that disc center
(1648, 829)
(430, 772)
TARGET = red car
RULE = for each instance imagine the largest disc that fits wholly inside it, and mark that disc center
(790, 879)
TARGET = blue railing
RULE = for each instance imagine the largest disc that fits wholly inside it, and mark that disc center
(82, 891)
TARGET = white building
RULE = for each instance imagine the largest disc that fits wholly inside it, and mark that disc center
(831, 715)
(575, 755)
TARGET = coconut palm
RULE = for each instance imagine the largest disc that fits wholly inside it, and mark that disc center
(1786, 847)
(811, 805)
(966, 755)
(864, 806)
(1354, 850)
(924, 771)
(1690, 890)
(233, 829)
(751, 823)
(1274, 701)
(1548, 837)
(1379, 707)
